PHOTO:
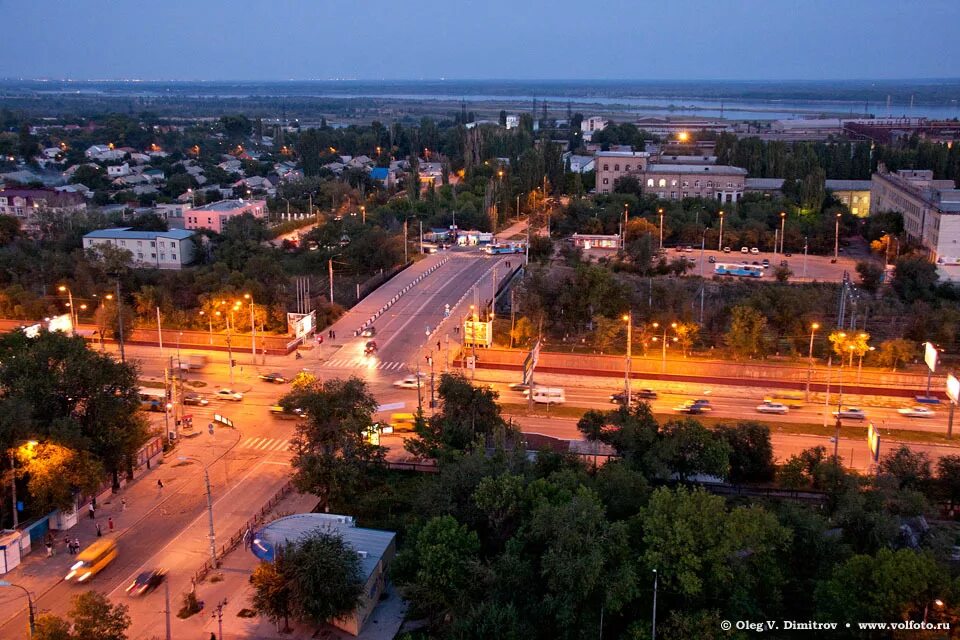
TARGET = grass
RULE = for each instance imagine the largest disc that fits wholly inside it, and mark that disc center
(853, 431)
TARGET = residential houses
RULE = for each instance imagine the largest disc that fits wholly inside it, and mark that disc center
(171, 249)
(28, 204)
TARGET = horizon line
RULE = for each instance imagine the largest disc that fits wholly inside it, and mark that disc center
(445, 79)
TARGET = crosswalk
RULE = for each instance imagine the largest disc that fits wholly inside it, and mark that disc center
(357, 363)
(265, 444)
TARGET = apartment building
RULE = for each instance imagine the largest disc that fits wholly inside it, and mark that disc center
(610, 166)
(171, 249)
(27, 204)
(214, 215)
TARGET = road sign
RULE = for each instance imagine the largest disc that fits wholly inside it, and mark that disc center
(471, 362)
(873, 442)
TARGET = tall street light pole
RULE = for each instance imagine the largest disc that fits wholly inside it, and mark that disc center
(720, 243)
(212, 535)
(253, 330)
(663, 361)
(783, 222)
(30, 608)
(813, 330)
(660, 211)
(653, 630)
(73, 313)
(836, 239)
(628, 318)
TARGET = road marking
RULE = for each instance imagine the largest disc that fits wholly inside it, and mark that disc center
(266, 444)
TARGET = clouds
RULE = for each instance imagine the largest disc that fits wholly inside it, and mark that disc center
(376, 39)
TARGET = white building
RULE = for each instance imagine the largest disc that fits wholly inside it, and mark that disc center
(149, 249)
(513, 122)
(119, 170)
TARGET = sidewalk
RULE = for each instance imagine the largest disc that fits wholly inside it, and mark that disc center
(235, 588)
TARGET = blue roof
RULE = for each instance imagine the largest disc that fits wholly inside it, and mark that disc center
(380, 173)
(126, 233)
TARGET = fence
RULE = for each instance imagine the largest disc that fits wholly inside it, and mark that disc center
(237, 537)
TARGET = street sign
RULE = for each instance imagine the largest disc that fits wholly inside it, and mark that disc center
(873, 442)
(953, 388)
(471, 362)
(930, 355)
(225, 421)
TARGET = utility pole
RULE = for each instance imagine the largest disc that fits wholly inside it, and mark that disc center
(513, 317)
(166, 608)
(159, 333)
(123, 357)
(405, 259)
(330, 271)
(627, 363)
(653, 630)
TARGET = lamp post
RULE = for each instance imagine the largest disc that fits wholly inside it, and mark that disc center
(30, 609)
(653, 630)
(813, 330)
(73, 314)
(836, 239)
(253, 330)
(663, 361)
(783, 222)
(628, 318)
(209, 323)
(363, 214)
(720, 243)
(660, 211)
(212, 535)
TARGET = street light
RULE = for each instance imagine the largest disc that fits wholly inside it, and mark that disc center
(253, 329)
(30, 609)
(660, 211)
(663, 362)
(783, 222)
(628, 318)
(363, 213)
(212, 534)
(813, 330)
(209, 322)
(73, 315)
(720, 243)
(836, 239)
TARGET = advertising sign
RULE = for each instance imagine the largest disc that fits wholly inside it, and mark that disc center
(953, 388)
(873, 442)
(301, 324)
(930, 355)
(477, 332)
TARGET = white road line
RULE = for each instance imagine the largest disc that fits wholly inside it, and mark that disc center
(247, 442)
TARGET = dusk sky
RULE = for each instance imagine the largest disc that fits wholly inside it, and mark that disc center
(461, 39)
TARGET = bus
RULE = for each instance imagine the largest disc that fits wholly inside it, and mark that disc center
(93, 560)
(402, 422)
(789, 398)
(733, 269)
(497, 249)
(152, 399)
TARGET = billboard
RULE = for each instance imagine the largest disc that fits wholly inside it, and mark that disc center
(477, 332)
(873, 442)
(953, 388)
(301, 325)
(930, 355)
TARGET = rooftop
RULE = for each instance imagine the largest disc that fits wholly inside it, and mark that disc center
(706, 169)
(847, 185)
(622, 154)
(227, 205)
(126, 233)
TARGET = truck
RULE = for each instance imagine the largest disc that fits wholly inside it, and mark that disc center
(192, 362)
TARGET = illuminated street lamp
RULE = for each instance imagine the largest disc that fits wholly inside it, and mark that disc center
(628, 318)
(212, 534)
(783, 221)
(73, 315)
(209, 322)
(813, 330)
(720, 243)
(253, 329)
(836, 239)
(663, 342)
(660, 211)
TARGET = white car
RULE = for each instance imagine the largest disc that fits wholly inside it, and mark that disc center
(755, 251)
(773, 407)
(917, 412)
(850, 413)
(230, 394)
(409, 382)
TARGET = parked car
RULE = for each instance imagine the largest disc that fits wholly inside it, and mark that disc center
(230, 395)
(850, 413)
(275, 378)
(409, 382)
(755, 251)
(917, 412)
(726, 249)
(773, 407)
(765, 262)
(711, 260)
(688, 249)
(369, 332)
(146, 581)
(744, 250)
(195, 399)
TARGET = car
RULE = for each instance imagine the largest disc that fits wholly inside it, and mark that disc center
(518, 386)
(755, 251)
(688, 249)
(703, 402)
(916, 412)
(275, 378)
(230, 395)
(773, 407)
(647, 394)
(369, 332)
(146, 581)
(285, 414)
(711, 260)
(850, 413)
(726, 249)
(195, 399)
(370, 348)
(744, 250)
(410, 382)
(755, 263)
(765, 262)
(679, 249)
(691, 408)
(788, 254)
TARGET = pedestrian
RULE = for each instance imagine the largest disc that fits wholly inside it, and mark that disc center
(159, 483)
(438, 345)
(49, 549)
(110, 523)
(92, 511)
(99, 532)
(69, 544)
(123, 504)
(76, 545)
(333, 334)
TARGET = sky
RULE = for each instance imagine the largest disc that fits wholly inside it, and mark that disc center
(484, 39)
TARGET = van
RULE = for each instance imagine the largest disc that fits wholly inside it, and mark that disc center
(549, 395)
(402, 422)
(93, 560)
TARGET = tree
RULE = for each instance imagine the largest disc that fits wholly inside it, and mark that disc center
(441, 567)
(272, 592)
(325, 577)
(871, 274)
(751, 453)
(782, 273)
(94, 618)
(605, 331)
(848, 345)
(686, 333)
(51, 627)
(522, 332)
(896, 351)
(948, 478)
(541, 248)
(914, 278)
(687, 448)
(56, 474)
(332, 457)
(910, 468)
(746, 332)
(9, 229)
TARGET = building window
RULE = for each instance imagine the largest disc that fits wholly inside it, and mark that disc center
(606, 167)
(606, 181)
(139, 243)
(730, 185)
(660, 194)
(140, 255)
(616, 167)
(626, 167)
(685, 194)
(709, 184)
(856, 199)
(856, 211)
(686, 183)
(153, 255)
(163, 256)
(662, 183)
(673, 183)
(152, 243)
(649, 182)
(696, 183)
(673, 195)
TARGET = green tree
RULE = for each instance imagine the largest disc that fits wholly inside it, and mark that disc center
(687, 448)
(896, 351)
(751, 453)
(606, 331)
(51, 627)
(910, 468)
(325, 576)
(948, 478)
(95, 618)
(272, 592)
(745, 337)
(782, 273)
(332, 457)
(541, 248)
(914, 278)
(871, 274)
(56, 474)
(522, 332)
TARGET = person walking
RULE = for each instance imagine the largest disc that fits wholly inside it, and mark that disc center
(99, 532)
(92, 510)
(76, 546)
(110, 523)
(123, 504)
(49, 546)
(159, 484)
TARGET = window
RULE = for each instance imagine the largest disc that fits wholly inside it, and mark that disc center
(856, 211)
(709, 184)
(685, 194)
(163, 256)
(152, 243)
(173, 256)
(673, 195)
(606, 167)
(626, 167)
(649, 182)
(139, 243)
(606, 181)
(616, 167)
(730, 185)
(153, 255)
(673, 183)
(686, 183)
(662, 183)
(696, 183)
(140, 255)
(660, 194)
(856, 199)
